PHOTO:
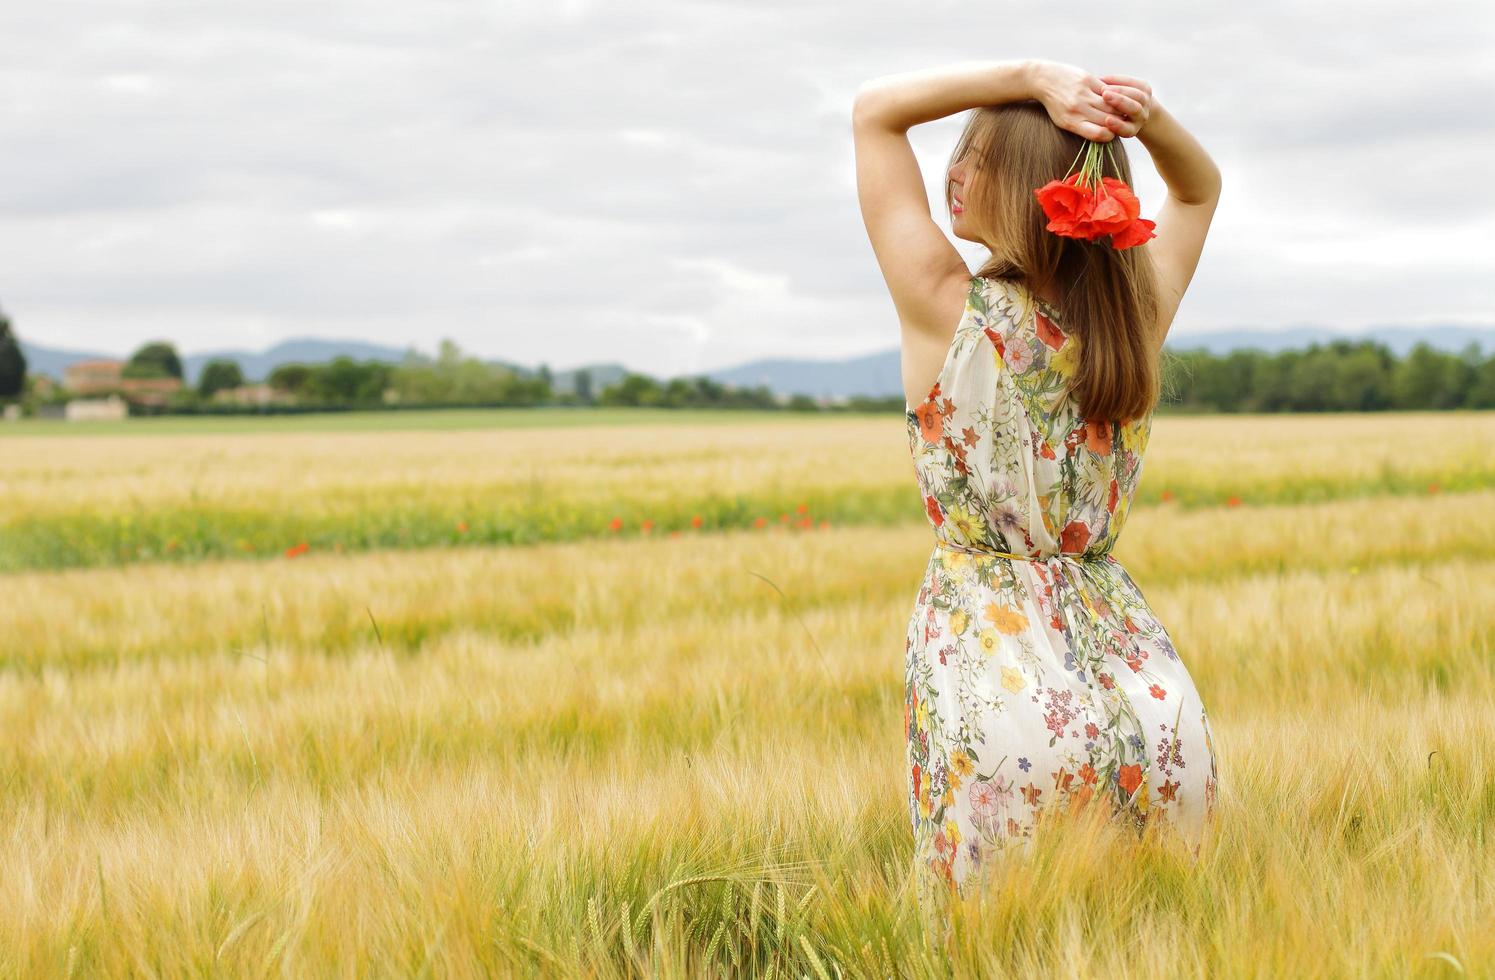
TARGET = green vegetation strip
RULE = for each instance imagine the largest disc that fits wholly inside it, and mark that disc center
(88, 539)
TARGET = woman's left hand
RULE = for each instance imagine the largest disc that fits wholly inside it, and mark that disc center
(1130, 102)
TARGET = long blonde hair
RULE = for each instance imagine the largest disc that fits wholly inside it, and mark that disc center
(1108, 297)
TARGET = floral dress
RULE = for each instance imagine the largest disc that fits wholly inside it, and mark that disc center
(1036, 675)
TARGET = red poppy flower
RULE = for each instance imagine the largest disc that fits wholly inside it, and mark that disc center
(1066, 203)
(1098, 437)
(1136, 233)
(1048, 331)
(1074, 537)
(996, 341)
(1089, 206)
(932, 508)
(928, 414)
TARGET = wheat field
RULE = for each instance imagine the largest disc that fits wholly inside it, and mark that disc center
(596, 749)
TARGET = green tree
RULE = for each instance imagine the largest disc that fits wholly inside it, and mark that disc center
(584, 385)
(157, 359)
(1427, 378)
(295, 378)
(1362, 380)
(344, 380)
(632, 389)
(1481, 390)
(12, 361)
(219, 374)
(455, 378)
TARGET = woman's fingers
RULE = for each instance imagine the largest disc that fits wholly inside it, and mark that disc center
(1098, 131)
(1136, 83)
(1131, 104)
(1106, 117)
(1119, 101)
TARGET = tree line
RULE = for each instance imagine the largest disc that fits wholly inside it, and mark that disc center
(1342, 375)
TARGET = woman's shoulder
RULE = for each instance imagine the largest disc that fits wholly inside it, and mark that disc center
(1000, 299)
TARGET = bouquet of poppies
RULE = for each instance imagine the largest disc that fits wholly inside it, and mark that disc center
(1087, 205)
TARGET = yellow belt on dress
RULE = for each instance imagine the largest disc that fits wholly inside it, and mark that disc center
(989, 553)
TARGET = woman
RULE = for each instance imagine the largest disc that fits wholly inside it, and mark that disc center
(1037, 677)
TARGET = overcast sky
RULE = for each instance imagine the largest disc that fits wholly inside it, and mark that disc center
(670, 185)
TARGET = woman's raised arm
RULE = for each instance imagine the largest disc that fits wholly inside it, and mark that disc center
(925, 274)
(1193, 182)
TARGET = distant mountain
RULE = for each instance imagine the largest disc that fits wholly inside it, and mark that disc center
(302, 350)
(879, 375)
(51, 360)
(870, 374)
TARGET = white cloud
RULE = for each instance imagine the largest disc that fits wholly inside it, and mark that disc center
(669, 184)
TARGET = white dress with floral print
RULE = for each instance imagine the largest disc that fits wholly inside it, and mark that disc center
(1046, 680)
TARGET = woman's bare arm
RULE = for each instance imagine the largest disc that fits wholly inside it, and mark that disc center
(1193, 182)
(925, 274)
